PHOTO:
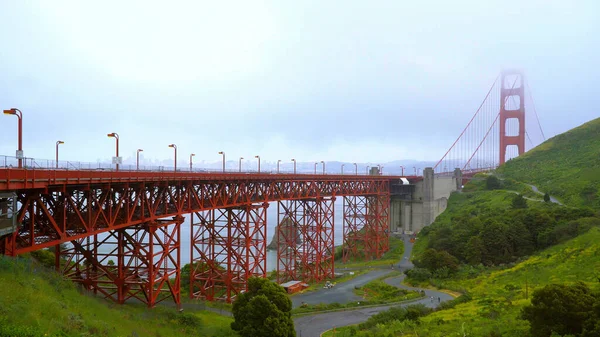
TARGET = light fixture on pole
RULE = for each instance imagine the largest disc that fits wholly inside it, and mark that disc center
(57, 144)
(175, 148)
(316, 167)
(294, 160)
(343, 168)
(402, 167)
(368, 169)
(322, 162)
(191, 155)
(115, 136)
(137, 159)
(222, 153)
(241, 163)
(19, 114)
(355, 168)
(258, 157)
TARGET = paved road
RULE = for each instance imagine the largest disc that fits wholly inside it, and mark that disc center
(314, 325)
(341, 293)
(552, 199)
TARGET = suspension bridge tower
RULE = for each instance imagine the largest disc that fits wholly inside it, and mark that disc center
(512, 106)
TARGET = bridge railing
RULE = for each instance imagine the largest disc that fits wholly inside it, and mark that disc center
(11, 162)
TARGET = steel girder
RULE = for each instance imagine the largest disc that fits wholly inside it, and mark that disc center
(228, 247)
(366, 227)
(305, 245)
(139, 262)
(64, 213)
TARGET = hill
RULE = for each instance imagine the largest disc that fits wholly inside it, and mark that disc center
(566, 166)
(38, 302)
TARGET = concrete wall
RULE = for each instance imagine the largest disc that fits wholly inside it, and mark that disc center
(429, 200)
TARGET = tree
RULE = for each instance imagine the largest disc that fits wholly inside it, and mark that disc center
(492, 183)
(264, 310)
(559, 308)
(547, 197)
(519, 202)
(433, 260)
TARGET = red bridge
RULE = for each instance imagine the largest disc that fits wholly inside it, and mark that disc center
(123, 228)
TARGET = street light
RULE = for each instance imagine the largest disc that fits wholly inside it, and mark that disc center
(175, 148)
(368, 169)
(116, 136)
(379, 169)
(415, 170)
(402, 167)
(294, 160)
(316, 167)
(278, 161)
(19, 114)
(137, 159)
(191, 155)
(258, 157)
(355, 169)
(343, 168)
(322, 162)
(241, 163)
(57, 144)
(223, 154)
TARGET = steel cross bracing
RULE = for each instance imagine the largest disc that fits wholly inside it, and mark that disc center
(366, 227)
(122, 228)
(305, 244)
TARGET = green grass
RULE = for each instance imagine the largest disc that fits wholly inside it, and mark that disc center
(379, 291)
(498, 294)
(566, 166)
(394, 255)
(38, 302)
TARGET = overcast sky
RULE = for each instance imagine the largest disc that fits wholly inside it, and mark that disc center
(364, 81)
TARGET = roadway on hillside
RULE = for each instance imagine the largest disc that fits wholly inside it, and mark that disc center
(314, 325)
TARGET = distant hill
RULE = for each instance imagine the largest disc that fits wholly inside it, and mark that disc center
(566, 166)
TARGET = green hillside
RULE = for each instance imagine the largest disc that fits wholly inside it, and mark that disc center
(37, 302)
(499, 294)
(566, 166)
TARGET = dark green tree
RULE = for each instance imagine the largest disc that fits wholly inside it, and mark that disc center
(433, 260)
(492, 183)
(264, 310)
(547, 197)
(519, 202)
(559, 308)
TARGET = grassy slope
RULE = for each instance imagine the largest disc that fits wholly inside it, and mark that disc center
(563, 166)
(498, 296)
(43, 303)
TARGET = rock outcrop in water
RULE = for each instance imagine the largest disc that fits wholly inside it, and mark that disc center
(288, 229)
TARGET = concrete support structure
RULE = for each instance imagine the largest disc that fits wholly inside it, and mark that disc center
(420, 206)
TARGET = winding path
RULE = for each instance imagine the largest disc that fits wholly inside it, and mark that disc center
(314, 325)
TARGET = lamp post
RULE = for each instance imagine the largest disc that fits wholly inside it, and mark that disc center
(222, 153)
(402, 167)
(381, 171)
(19, 114)
(57, 144)
(343, 168)
(316, 167)
(175, 148)
(258, 157)
(191, 155)
(368, 169)
(355, 169)
(322, 162)
(137, 159)
(115, 136)
(415, 170)
(241, 163)
(294, 160)
(278, 161)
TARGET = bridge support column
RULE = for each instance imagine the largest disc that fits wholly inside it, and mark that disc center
(366, 227)
(228, 247)
(139, 262)
(305, 249)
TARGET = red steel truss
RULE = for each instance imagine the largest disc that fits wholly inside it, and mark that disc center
(228, 247)
(305, 249)
(120, 217)
(366, 227)
(139, 262)
(508, 92)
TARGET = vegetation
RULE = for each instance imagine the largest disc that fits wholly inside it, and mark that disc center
(564, 310)
(264, 310)
(377, 291)
(566, 166)
(35, 301)
(393, 255)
